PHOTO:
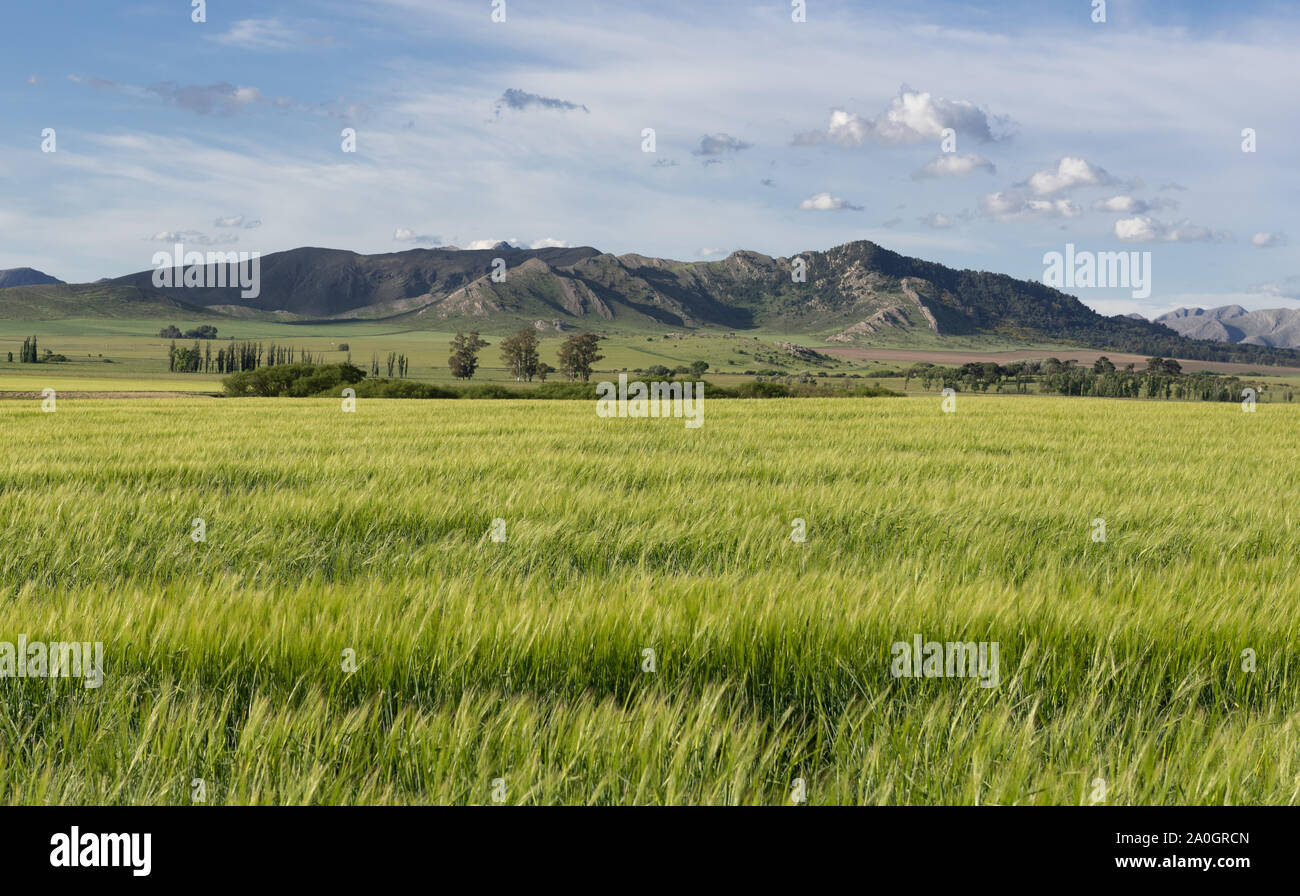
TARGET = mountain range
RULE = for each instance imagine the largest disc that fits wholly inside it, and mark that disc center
(856, 291)
(1276, 327)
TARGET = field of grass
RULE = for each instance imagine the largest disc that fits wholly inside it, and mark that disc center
(124, 355)
(113, 350)
(349, 631)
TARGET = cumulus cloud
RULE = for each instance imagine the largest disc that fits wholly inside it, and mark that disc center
(709, 253)
(936, 221)
(492, 244)
(1011, 205)
(1070, 172)
(1268, 240)
(1145, 229)
(1131, 205)
(33, 80)
(825, 202)
(951, 164)
(549, 242)
(911, 117)
(222, 98)
(407, 235)
(522, 100)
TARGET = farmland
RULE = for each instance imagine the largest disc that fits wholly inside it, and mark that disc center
(646, 629)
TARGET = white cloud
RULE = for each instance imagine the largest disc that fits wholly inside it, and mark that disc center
(1010, 205)
(549, 242)
(492, 244)
(825, 202)
(1145, 229)
(1268, 240)
(951, 164)
(407, 235)
(911, 117)
(1131, 205)
(936, 221)
(1070, 172)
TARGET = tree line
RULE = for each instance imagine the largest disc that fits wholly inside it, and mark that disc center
(236, 357)
(205, 331)
(1161, 378)
(395, 361)
(28, 355)
(521, 354)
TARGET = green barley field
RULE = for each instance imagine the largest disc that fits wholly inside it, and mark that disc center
(649, 630)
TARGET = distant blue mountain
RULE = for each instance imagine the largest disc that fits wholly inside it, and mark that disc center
(25, 277)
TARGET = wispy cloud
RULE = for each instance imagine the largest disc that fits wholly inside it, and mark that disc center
(260, 34)
(222, 98)
(92, 81)
(522, 100)
(719, 144)
(194, 236)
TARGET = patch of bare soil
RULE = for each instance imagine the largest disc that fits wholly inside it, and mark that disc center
(1084, 358)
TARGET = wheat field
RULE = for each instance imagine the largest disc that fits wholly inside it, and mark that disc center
(642, 625)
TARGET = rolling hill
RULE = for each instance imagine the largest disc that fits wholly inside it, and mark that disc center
(60, 301)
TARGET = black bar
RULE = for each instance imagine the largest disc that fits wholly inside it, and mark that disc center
(335, 846)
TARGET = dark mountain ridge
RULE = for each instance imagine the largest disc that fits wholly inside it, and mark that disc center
(856, 291)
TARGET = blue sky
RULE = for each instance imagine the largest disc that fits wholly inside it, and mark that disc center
(770, 135)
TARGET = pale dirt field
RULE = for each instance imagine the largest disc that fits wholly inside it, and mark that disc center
(1084, 357)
